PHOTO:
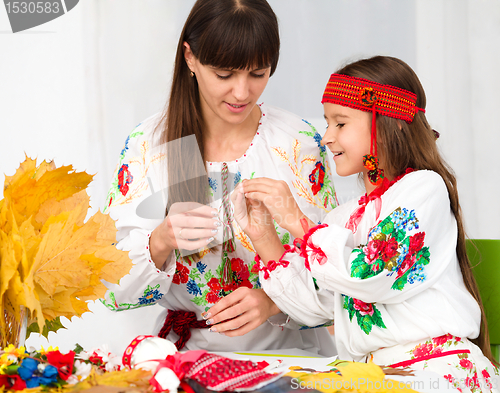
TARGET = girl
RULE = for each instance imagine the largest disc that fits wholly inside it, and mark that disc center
(211, 135)
(391, 269)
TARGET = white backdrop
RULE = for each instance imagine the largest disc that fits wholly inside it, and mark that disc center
(72, 89)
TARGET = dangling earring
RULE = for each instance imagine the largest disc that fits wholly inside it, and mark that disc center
(370, 161)
(192, 74)
(375, 175)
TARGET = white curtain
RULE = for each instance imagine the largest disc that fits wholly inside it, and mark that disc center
(71, 90)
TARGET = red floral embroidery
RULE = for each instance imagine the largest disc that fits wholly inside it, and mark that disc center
(389, 249)
(317, 177)
(241, 278)
(212, 297)
(214, 284)
(407, 264)
(449, 378)
(362, 307)
(442, 339)
(417, 242)
(124, 179)
(466, 363)
(181, 275)
(422, 350)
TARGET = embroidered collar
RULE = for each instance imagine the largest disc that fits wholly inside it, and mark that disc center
(375, 196)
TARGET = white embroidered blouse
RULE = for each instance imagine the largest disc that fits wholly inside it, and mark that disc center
(285, 148)
(389, 277)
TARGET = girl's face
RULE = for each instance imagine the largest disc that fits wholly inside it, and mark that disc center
(225, 94)
(348, 137)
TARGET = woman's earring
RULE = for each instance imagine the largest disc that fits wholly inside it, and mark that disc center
(192, 74)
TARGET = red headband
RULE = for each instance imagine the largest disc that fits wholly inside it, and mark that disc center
(369, 96)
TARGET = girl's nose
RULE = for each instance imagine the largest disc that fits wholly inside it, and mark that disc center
(329, 136)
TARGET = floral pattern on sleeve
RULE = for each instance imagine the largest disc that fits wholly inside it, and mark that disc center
(123, 188)
(150, 296)
(367, 315)
(391, 248)
(315, 187)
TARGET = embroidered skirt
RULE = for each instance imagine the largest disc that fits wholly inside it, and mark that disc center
(459, 361)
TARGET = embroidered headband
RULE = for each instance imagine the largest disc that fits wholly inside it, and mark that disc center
(369, 96)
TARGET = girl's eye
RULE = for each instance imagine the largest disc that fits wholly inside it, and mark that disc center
(222, 76)
(259, 75)
(340, 125)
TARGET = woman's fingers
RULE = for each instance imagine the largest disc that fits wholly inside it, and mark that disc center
(240, 312)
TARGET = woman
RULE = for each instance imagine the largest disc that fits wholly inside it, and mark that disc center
(212, 135)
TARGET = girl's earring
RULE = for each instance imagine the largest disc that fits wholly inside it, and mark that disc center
(375, 175)
(192, 74)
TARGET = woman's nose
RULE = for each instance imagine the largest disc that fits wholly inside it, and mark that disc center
(241, 88)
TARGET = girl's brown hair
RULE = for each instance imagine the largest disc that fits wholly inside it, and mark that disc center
(401, 145)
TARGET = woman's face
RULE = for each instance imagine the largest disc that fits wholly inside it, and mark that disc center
(227, 94)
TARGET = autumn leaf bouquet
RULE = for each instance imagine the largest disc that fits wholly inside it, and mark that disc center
(52, 259)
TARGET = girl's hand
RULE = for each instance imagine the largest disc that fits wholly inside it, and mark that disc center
(188, 226)
(240, 312)
(278, 199)
(252, 216)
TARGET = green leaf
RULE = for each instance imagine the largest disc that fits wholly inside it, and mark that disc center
(364, 322)
(50, 326)
(285, 239)
(78, 349)
(208, 276)
(377, 318)
(201, 300)
(194, 275)
(400, 283)
(387, 228)
(308, 133)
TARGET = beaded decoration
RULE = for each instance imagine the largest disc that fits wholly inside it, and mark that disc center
(369, 96)
(228, 244)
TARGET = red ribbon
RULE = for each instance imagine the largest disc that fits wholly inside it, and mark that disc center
(375, 196)
(180, 364)
(407, 363)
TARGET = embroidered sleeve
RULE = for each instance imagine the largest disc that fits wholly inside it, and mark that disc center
(415, 228)
(146, 284)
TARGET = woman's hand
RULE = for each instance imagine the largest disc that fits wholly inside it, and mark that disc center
(278, 199)
(240, 312)
(188, 225)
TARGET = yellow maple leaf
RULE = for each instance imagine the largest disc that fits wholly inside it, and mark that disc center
(123, 378)
(356, 377)
(51, 260)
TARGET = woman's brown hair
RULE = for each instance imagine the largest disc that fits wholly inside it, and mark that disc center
(226, 34)
(401, 145)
